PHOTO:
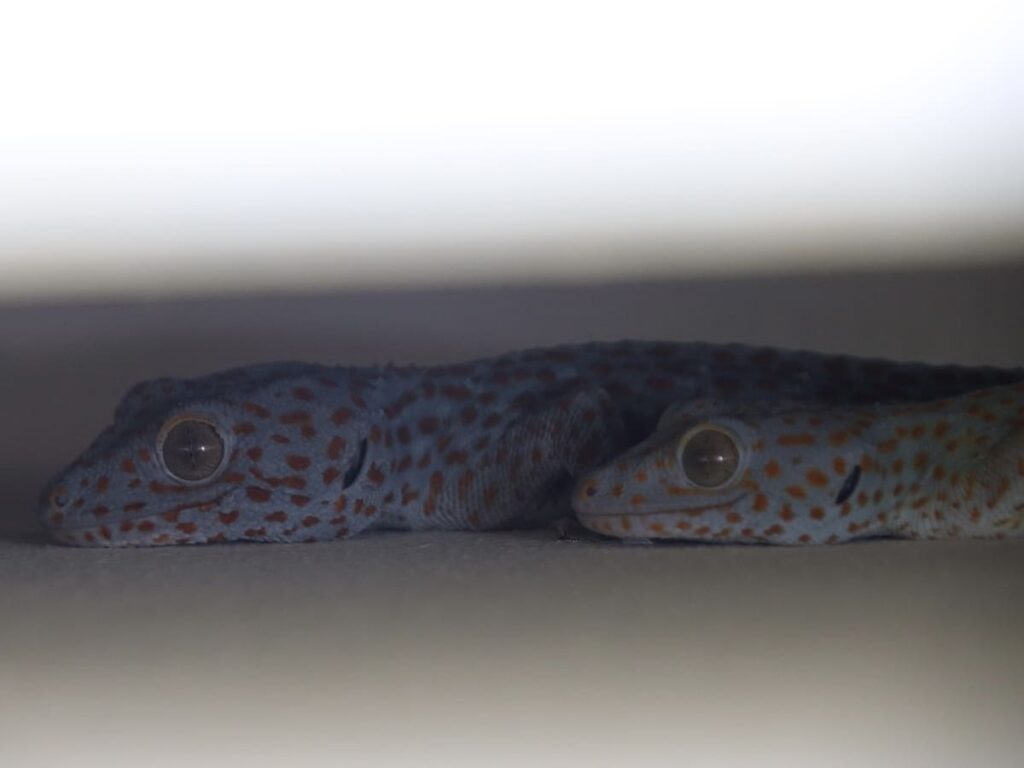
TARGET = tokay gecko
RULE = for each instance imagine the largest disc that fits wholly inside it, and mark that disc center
(641, 439)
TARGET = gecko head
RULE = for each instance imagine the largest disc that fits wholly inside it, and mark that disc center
(715, 473)
(259, 454)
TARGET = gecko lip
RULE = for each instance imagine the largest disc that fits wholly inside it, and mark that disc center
(673, 509)
(81, 524)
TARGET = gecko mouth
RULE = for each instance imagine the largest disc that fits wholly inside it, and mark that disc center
(80, 524)
(673, 509)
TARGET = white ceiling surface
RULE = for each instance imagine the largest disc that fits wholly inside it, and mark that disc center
(145, 148)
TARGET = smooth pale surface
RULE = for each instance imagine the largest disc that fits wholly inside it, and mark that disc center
(510, 648)
(402, 143)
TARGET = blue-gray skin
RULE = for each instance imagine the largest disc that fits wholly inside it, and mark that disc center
(301, 452)
(951, 468)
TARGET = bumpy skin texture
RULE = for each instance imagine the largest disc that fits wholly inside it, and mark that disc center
(316, 452)
(947, 468)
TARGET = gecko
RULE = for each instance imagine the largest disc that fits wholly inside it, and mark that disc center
(295, 452)
(793, 474)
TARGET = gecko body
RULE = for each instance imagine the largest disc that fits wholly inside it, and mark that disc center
(303, 452)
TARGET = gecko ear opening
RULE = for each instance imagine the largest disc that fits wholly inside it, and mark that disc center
(849, 485)
(352, 473)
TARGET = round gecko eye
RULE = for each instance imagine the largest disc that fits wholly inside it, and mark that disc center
(192, 449)
(709, 456)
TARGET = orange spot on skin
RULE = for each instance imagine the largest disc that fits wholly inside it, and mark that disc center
(244, 428)
(786, 513)
(816, 477)
(276, 517)
(656, 528)
(888, 446)
(733, 517)
(255, 493)
(466, 483)
(838, 438)
(298, 463)
(146, 526)
(102, 484)
(640, 476)
(760, 502)
(796, 491)
(302, 393)
(257, 410)
(839, 465)
(772, 469)
(774, 530)
(920, 460)
(939, 473)
(817, 513)
(128, 466)
(341, 416)
(227, 518)
(186, 527)
(790, 441)
(637, 500)
(309, 521)
(335, 447)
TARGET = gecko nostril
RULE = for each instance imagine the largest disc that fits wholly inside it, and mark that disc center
(59, 497)
(590, 490)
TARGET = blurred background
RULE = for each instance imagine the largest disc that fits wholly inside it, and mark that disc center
(191, 186)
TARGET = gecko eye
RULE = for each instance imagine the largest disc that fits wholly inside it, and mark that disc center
(192, 450)
(709, 456)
